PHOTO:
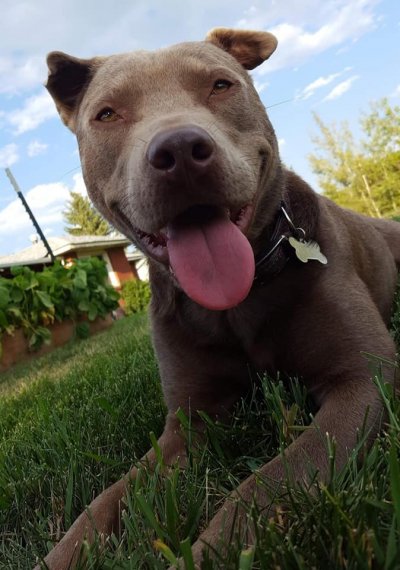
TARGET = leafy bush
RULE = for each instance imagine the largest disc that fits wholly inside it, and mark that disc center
(82, 330)
(33, 300)
(136, 295)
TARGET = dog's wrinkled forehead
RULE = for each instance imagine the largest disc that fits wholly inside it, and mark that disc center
(187, 65)
(70, 77)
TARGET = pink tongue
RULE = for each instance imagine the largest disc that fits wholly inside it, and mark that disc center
(212, 260)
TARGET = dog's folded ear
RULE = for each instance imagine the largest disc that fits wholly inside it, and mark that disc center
(67, 81)
(248, 47)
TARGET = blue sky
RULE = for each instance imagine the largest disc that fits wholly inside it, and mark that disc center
(333, 58)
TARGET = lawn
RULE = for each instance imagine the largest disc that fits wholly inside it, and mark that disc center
(73, 422)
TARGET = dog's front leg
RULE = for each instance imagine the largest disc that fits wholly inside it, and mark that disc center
(341, 415)
(103, 515)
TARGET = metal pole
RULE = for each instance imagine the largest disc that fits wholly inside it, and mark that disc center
(30, 213)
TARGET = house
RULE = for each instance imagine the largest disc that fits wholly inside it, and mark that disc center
(139, 263)
(111, 248)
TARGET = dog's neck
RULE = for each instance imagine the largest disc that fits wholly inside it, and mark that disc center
(296, 215)
(275, 252)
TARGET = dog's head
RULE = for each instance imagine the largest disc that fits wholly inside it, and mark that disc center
(178, 153)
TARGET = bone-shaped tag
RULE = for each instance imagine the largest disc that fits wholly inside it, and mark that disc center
(306, 250)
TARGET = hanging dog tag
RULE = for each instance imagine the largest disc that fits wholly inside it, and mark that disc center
(306, 250)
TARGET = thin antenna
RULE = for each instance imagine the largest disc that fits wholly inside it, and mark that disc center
(280, 103)
(30, 213)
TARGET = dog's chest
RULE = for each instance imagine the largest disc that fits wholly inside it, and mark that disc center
(256, 324)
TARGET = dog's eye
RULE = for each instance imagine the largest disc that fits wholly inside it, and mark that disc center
(107, 115)
(220, 86)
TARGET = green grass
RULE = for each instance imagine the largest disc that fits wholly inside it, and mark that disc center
(74, 421)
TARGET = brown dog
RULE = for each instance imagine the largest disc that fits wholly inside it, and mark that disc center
(248, 264)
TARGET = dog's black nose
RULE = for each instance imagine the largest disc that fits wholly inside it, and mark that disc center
(181, 147)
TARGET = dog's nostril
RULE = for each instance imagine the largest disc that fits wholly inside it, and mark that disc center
(202, 150)
(162, 159)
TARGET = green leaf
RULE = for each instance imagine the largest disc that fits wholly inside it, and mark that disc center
(101, 459)
(107, 407)
(68, 498)
(4, 297)
(15, 312)
(34, 341)
(83, 305)
(82, 330)
(44, 332)
(166, 551)
(187, 554)
(33, 283)
(395, 479)
(3, 320)
(147, 510)
(157, 448)
(16, 295)
(246, 559)
(392, 546)
(93, 312)
(45, 299)
(80, 279)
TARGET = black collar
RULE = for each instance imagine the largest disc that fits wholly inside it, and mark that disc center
(272, 260)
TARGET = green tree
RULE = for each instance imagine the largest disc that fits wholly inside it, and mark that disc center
(83, 218)
(363, 175)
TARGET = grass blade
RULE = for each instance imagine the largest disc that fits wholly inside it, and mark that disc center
(395, 480)
(165, 551)
(246, 559)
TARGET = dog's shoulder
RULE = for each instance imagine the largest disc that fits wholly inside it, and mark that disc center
(350, 241)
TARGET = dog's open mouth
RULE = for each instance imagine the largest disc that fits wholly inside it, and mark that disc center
(208, 253)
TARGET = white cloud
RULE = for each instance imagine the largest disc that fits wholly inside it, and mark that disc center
(340, 88)
(20, 73)
(335, 23)
(79, 185)
(47, 202)
(281, 142)
(310, 89)
(35, 148)
(260, 85)
(396, 92)
(27, 32)
(35, 111)
(319, 83)
(8, 155)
